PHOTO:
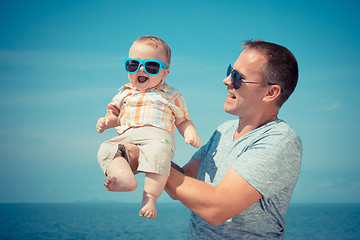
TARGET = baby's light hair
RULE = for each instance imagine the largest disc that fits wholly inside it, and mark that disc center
(156, 42)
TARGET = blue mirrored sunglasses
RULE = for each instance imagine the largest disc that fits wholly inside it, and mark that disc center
(151, 67)
(237, 79)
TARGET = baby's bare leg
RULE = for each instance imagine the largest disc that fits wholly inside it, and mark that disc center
(120, 176)
(153, 187)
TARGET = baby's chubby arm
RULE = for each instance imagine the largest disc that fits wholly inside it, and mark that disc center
(107, 122)
(111, 120)
(187, 130)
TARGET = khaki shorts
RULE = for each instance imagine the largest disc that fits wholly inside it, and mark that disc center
(157, 149)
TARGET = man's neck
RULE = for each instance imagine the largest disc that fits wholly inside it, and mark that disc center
(245, 126)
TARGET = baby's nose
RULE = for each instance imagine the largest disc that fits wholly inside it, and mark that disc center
(141, 67)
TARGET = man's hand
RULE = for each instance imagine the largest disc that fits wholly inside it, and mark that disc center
(133, 152)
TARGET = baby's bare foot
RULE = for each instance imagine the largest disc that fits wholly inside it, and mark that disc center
(107, 182)
(148, 209)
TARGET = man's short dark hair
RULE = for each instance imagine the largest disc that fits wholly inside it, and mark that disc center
(281, 67)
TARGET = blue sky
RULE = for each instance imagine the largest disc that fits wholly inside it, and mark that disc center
(61, 63)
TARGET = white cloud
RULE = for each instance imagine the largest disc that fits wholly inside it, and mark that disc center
(326, 105)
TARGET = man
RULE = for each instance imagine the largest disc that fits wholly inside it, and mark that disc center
(247, 171)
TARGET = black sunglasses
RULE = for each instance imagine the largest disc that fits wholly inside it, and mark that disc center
(237, 79)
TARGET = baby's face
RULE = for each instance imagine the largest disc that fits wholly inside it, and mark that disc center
(141, 80)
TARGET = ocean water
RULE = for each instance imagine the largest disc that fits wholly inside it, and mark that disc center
(323, 221)
(121, 221)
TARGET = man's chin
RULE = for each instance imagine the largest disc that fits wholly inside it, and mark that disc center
(228, 110)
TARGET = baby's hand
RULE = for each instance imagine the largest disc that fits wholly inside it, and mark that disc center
(101, 125)
(193, 140)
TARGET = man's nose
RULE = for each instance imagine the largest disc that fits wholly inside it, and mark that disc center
(227, 80)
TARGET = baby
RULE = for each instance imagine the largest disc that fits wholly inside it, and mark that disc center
(145, 113)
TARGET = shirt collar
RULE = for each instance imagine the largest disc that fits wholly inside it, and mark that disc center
(161, 86)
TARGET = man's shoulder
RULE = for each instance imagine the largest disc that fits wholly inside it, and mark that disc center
(284, 128)
(279, 133)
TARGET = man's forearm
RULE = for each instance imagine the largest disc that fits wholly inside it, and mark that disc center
(177, 167)
(214, 204)
(194, 194)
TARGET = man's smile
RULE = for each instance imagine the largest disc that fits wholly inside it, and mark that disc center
(231, 96)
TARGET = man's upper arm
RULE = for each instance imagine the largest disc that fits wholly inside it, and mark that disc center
(234, 194)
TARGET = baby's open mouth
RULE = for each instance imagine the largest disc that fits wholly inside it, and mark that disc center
(142, 79)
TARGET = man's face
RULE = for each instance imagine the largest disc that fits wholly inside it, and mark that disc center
(245, 100)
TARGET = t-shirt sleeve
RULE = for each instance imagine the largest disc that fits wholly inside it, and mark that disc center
(199, 155)
(203, 151)
(271, 163)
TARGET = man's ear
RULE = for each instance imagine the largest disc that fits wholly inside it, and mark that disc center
(273, 93)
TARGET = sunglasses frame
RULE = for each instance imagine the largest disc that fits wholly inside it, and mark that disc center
(236, 83)
(142, 63)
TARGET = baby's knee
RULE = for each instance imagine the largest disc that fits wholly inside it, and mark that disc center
(105, 147)
(105, 150)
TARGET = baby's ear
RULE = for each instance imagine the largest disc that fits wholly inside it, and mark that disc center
(165, 73)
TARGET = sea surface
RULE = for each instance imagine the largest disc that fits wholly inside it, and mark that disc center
(121, 221)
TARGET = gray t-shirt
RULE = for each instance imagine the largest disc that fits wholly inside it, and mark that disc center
(269, 159)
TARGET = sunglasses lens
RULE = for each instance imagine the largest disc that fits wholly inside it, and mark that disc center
(237, 79)
(132, 65)
(152, 67)
(228, 71)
